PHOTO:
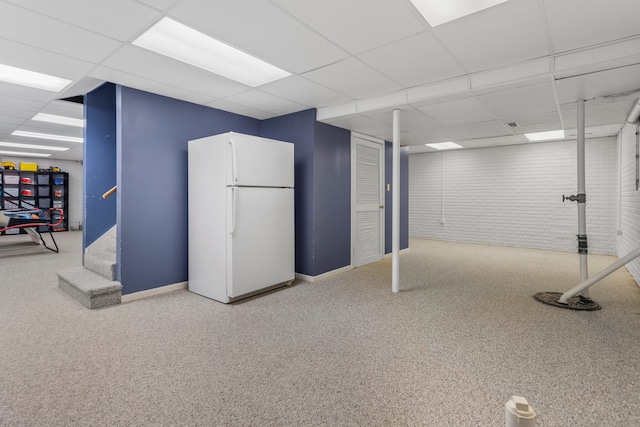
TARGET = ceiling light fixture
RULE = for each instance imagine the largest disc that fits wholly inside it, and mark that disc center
(46, 136)
(177, 41)
(33, 146)
(444, 145)
(438, 12)
(33, 79)
(545, 136)
(23, 154)
(59, 120)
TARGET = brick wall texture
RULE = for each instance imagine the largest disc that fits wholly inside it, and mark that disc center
(628, 199)
(512, 195)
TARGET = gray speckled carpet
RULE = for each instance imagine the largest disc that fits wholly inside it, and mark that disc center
(462, 336)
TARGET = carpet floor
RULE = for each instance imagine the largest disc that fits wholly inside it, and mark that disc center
(462, 336)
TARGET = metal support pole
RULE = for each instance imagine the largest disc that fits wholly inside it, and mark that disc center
(395, 202)
(582, 216)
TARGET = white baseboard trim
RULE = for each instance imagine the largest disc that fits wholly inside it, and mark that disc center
(155, 291)
(389, 255)
(323, 275)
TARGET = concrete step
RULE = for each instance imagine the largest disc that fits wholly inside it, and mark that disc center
(102, 263)
(89, 288)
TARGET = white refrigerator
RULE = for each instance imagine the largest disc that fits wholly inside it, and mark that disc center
(241, 215)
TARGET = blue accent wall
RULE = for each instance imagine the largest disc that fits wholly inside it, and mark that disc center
(298, 128)
(332, 198)
(323, 190)
(152, 182)
(99, 171)
(148, 161)
(404, 197)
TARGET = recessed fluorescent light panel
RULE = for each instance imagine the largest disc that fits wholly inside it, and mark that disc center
(59, 120)
(545, 136)
(46, 136)
(22, 77)
(23, 154)
(444, 145)
(438, 12)
(32, 146)
(177, 41)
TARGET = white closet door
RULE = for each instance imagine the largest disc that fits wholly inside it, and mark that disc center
(368, 193)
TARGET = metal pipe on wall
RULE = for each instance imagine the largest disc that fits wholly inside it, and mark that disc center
(582, 198)
(583, 286)
(395, 203)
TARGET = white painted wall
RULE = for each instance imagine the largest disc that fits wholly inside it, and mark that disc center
(629, 201)
(74, 211)
(512, 195)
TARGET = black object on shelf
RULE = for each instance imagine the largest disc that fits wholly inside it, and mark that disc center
(35, 190)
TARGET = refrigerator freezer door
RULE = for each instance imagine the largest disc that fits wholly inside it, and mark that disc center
(260, 238)
(254, 161)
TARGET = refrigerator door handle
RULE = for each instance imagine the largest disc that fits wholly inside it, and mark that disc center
(234, 161)
(234, 207)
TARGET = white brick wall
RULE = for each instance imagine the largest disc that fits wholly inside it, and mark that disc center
(512, 195)
(629, 201)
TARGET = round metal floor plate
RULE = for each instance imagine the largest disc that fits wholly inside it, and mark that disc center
(575, 303)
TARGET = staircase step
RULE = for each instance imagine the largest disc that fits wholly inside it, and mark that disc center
(102, 263)
(90, 289)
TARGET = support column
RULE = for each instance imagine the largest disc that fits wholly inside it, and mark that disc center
(582, 199)
(395, 202)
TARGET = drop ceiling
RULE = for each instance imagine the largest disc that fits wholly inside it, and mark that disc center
(522, 61)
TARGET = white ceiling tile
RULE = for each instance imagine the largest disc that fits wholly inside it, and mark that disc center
(141, 83)
(526, 120)
(159, 4)
(261, 28)
(266, 102)
(358, 25)
(304, 91)
(488, 129)
(34, 59)
(603, 57)
(442, 134)
(505, 34)
(7, 122)
(532, 99)
(33, 29)
(414, 61)
(19, 104)
(538, 127)
(144, 63)
(467, 110)
(119, 19)
(353, 78)
(523, 72)
(603, 83)
(575, 24)
(438, 92)
(411, 119)
(16, 114)
(363, 125)
(596, 113)
(406, 139)
(223, 104)
(65, 108)
(26, 93)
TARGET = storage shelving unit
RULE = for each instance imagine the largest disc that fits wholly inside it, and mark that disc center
(26, 189)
